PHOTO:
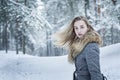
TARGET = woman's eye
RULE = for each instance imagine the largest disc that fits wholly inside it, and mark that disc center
(82, 26)
(76, 28)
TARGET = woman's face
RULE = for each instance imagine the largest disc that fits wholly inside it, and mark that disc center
(80, 28)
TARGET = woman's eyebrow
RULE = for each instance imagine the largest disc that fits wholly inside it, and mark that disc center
(74, 26)
(81, 25)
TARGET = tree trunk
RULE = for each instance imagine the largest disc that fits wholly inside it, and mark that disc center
(4, 36)
(16, 35)
(23, 35)
(70, 2)
(86, 7)
(112, 41)
(99, 10)
(6, 40)
(47, 44)
(95, 8)
(114, 2)
(0, 37)
(23, 42)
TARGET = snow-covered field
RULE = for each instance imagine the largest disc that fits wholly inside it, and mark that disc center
(26, 67)
(110, 61)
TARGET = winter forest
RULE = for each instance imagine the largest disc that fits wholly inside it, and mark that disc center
(27, 50)
(27, 25)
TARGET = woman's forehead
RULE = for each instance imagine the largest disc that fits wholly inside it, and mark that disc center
(80, 22)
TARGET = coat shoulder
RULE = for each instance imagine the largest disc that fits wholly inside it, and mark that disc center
(91, 47)
(92, 44)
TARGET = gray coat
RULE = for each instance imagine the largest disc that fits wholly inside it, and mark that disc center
(87, 63)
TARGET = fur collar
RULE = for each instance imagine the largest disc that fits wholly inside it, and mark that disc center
(79, 44)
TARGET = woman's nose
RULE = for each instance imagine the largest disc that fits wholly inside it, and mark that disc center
(79, 30)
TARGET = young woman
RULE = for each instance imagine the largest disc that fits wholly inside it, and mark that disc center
(83, 43)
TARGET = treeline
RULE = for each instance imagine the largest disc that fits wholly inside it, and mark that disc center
(24, 25)
(13, 35)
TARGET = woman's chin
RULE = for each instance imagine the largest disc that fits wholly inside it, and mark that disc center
(80, 37)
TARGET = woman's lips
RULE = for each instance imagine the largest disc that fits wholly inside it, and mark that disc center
(80, 34)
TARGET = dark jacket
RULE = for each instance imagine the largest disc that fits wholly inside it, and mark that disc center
(87, 63)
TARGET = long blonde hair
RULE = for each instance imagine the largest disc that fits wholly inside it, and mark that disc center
(68, 39)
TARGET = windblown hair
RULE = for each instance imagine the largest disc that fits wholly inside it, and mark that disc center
(68, 39)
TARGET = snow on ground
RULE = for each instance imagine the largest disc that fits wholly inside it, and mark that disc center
(110, 65)
(26, 67)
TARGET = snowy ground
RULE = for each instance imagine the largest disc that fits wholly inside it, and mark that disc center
(26, 67)
(110, 61)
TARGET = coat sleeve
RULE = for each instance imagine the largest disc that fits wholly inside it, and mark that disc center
(93, 62)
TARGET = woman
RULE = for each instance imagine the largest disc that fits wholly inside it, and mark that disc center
(83, 43)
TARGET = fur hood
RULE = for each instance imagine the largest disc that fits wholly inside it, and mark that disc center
(79, 44)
